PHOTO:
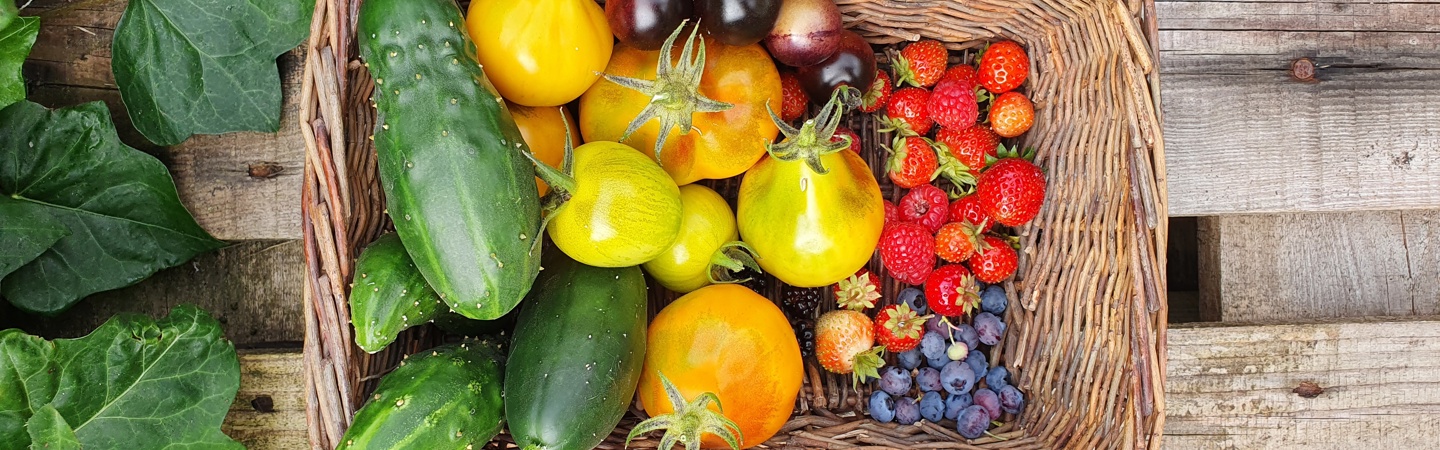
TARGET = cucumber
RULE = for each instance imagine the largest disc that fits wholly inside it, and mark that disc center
(389, 295)
(576, 356)
(461, 194)
(445, 398)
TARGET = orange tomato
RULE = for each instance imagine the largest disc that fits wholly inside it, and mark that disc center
(544, 131)
(728, 340)
(722, 144)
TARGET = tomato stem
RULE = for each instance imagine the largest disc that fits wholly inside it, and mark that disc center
(689, 421)
(731, 257)
(813, 139)
(675, 94)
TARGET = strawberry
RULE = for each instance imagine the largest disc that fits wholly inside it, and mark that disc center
(907, 250)
(1012, 114)
(961, 72)
(951, 291)
(792, 97)
(926, 205)
(949, 167)
(996, 262)
(957, 241)
(845, 343)
(967, 209)
(970, 145)
(912, 162)
(898, 328)
(920, 64)
(858, 292)
(875, 97)
(892, 213)
(907, 112)
(1011, 190)
(854, 138)
(952, 104)
(1003, 67)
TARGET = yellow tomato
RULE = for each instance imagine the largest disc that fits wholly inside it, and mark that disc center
(540, 52)
(544, 132)
(623, 209)
(709, 224)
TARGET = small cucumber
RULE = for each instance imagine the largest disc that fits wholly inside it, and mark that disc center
(462, 196)
(389, 295)
(445, 398)
(576, 356)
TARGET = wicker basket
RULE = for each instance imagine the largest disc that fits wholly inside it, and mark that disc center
(1088, 313)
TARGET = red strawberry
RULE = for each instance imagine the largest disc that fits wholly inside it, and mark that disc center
(1003, 67)
(959, 174)
(854, 138)
(968, 209)
(892, 213)
(907, 112)
(961, 72)
(792, 97)
(907, 250)
(926, 205)
(858, 292)
(957, 241)
(921, 63)
(843, 344)
(875, 97)
(951, 291)
(898, 328)
(1011, 191)
(994, 263)
(912, 162)
(970, 145)
(1012, 114)
(953, 105)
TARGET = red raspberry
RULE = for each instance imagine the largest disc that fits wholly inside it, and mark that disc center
(907, 250)
(926, 205)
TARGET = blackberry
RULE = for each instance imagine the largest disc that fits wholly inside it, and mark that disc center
(801, 302)
(757, 281)
(805, 335)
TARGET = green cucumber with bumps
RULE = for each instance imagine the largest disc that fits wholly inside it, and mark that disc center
(461, 194)
(447, 398)
(389, 295)
(576, 355)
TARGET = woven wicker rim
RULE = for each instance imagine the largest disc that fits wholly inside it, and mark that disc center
(1088, 311)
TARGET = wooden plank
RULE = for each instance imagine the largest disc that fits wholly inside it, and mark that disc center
(1231, 387)
(269, 410)
(1295, 267)
(70, 64)
(1243, 137)
(253, 288)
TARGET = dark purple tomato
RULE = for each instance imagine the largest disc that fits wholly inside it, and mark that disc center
(807, 32)
(852, 64)
(644, 24)
(737, 22)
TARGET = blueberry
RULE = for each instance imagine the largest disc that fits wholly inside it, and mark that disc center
(882, 407)
(989, 327)
(936, 324)
(937, 363)
(1011, 399)
(978, 364)
(957, 378)
(915, 299)
(932, 345)
(992, 300)
(956, 403)
(957, 351)
(972, 422)
(928, 379)
(989, 400)
(932, 407)
(997, 378)
(911, 359)
(966, 333)
(895, 381)
(907, 411)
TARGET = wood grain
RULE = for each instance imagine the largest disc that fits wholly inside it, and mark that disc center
(70, 64)
(269, 410)
(1243, 137)
(1230, 387)
(1297, 267)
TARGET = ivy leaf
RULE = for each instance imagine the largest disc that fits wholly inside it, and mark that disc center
(16, 38)
(204, 66)
(119, 205)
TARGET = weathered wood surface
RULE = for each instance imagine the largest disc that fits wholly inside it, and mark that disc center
(70, 64)
(269, 410)
(1294, 267)
(1243, 137)
(1231, 387)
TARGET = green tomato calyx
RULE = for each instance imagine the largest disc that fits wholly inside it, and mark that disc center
(814, 138)
(731, 258)
(674, 94)
(689, 421)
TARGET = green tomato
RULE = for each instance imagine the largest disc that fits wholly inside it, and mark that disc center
(709, 224)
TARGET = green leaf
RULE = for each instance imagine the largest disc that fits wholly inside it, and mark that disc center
(17, 35)
(119, 205)
(26, 230)
(133, 383)
(204, 66)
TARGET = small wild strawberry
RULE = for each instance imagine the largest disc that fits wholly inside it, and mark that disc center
(996, 262)
(926, 205)
(921, 63)
(1003, 67)
(858, 292)
(951, 291)
(845, 343)
(907, 112)
(957, 241)
(898, 328)
(1011, 190)
(907, 250)
(961, 72)
(792, 97)
(970, 145)
(952, 104)
(1012, 114)
(967, 209)
(877, 95)
(912, 162)
(841, 132)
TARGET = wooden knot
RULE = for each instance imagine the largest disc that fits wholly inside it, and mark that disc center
(1303, 70)
(1308, 389)
(265, 169)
